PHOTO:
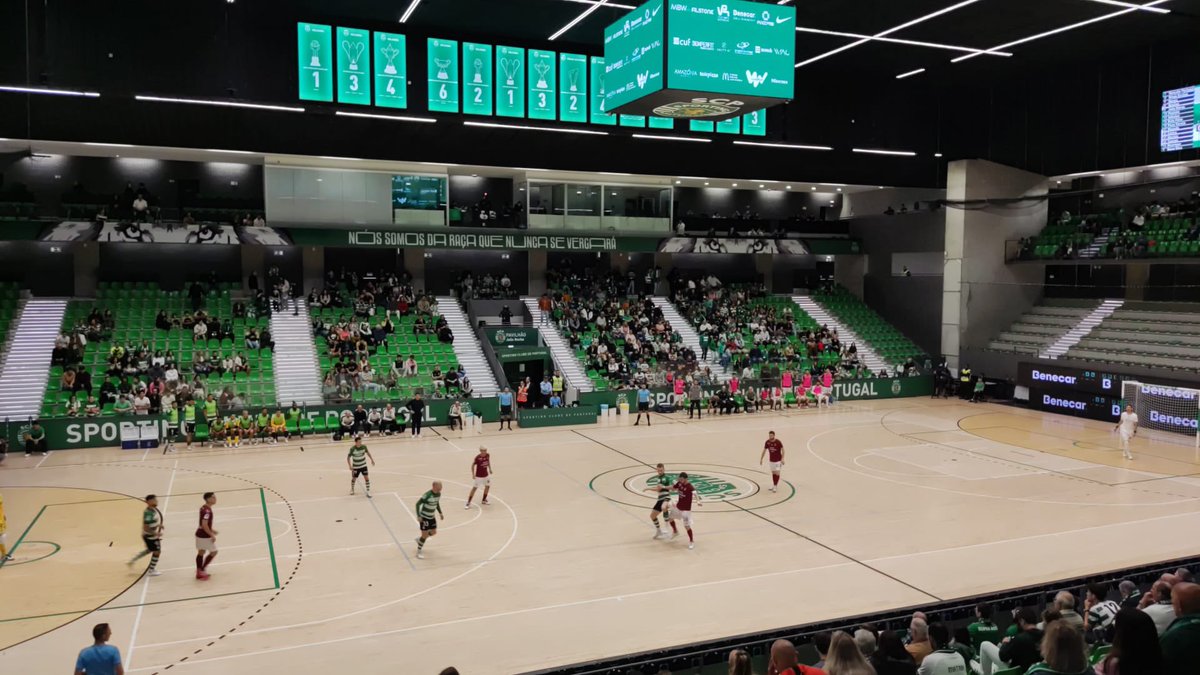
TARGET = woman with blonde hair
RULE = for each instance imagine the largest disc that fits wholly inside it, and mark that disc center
(1063, 652)
(845, 658)
(739, 662)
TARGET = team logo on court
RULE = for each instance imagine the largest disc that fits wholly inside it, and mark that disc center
(712, 486)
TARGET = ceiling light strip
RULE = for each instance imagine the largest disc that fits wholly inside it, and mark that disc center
(789, 146)
(412, 7)
(653, 137)
(606, 4)
(1064, 29)
(901, 41)
(223, 104)
(523, 127)
(910, 73)
(874, 151)
(53, 92)
(889, 31)
(1143, 8)
(582, 15)
(393, 118)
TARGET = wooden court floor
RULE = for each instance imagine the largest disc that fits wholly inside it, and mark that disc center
(886, 505)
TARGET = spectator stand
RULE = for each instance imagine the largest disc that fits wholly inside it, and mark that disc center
(889, 343)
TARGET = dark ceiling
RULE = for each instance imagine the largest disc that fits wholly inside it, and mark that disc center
(978, 24)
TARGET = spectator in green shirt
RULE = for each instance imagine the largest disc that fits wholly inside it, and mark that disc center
(123, 406)
(984, 629)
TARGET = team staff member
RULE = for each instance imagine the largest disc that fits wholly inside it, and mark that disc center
(694, 396)
(417, 407)
(556, 383)
(35, 439)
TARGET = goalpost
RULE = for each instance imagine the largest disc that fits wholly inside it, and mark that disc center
(1172, 409)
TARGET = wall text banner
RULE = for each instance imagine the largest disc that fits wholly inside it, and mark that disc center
(470, 241)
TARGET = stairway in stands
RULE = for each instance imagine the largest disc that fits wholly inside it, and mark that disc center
(688, 332)
(846, 335)
(560, 350)
(1080, 330)
(1093, 249)
(26, 361)
(297, 375)
(467, 349)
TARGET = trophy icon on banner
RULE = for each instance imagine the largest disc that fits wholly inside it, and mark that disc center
(542, 69)
(573, 80)
(510, 66)
(443, 66)
(354, 52)
(389, 52)
(315, 47)
(477, 78)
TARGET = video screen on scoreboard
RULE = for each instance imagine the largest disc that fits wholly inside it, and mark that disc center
(731, 47)
(1180, 119)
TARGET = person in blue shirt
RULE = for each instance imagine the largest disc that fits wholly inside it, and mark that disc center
(643, 401)
(546, 388)
(506, 408)
(555, 400)
(101, 658)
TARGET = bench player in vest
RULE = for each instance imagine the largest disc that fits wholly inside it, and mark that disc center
(173, 427)
(152, 528)
(428, 506)
(206, 537)
(1127, 427)
(4, 555)
(682, 510)
(660, 485)
(481, 474)
(774, 449)
(356, 460)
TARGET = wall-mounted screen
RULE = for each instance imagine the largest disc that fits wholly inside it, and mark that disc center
(391, 70)
(442, 72)
(1180, 119)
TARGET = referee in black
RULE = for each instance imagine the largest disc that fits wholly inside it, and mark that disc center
(694, 396)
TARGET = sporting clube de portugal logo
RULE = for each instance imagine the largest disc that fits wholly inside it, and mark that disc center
(699, 107)
(713, 486)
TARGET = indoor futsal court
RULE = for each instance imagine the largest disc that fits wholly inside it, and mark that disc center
(885, 505)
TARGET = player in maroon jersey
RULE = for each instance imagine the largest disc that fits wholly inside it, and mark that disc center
(206, 537)
(683, 507)
(481, 473)
(775, 449)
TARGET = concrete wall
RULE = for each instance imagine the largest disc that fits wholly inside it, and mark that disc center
(981, 294)
(875, 202)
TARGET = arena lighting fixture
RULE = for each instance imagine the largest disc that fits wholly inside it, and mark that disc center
(902, 41)
(790, 146)
(1063, 29)
(652, 137)
(223, 104)
(52, 92)
(229, 152)
(523, 127)
(872, 151)
(889, 31)
(341, 159)
(607, 4)
(412, 7)
(937, 154)
(616, 173)
(393, 118)
(813, 188)
(1143, 8)
(110, 145)
(1081, 174)
(582, 15)
(910, 73)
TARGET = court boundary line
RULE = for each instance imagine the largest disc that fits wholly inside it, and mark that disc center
(136, 605)
(788, 529)
(391, 533)
(14, 563)
(262, 494)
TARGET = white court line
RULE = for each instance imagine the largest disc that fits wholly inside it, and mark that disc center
(1030, 500)
(407, 510)
(137, 619)
(43, 460)
(416, 594)
(498, 615)
(936, 473)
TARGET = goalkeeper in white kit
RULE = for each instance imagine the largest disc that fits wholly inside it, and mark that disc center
(1127, 427)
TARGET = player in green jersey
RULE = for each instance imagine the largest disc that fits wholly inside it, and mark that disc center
(262, 425)
(428, 506)
(189, 420)
(660, 484)
(152, 527)
(356, 459)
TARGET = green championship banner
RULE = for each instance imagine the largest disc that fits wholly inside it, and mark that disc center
(557, 417)
(98, 432)
(511, 335)
(469, 241)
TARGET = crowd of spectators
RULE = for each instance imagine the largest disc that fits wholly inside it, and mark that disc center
(487, 286)
(1113, 632)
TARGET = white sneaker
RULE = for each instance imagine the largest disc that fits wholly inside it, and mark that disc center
(368, 493)
(770, 489)
(154, 573)
(674, 534)
(420, 556)
(467, 507)
(486, 503)
(691, 545)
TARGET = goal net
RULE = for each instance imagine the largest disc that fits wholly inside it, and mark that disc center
(1171, 409)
